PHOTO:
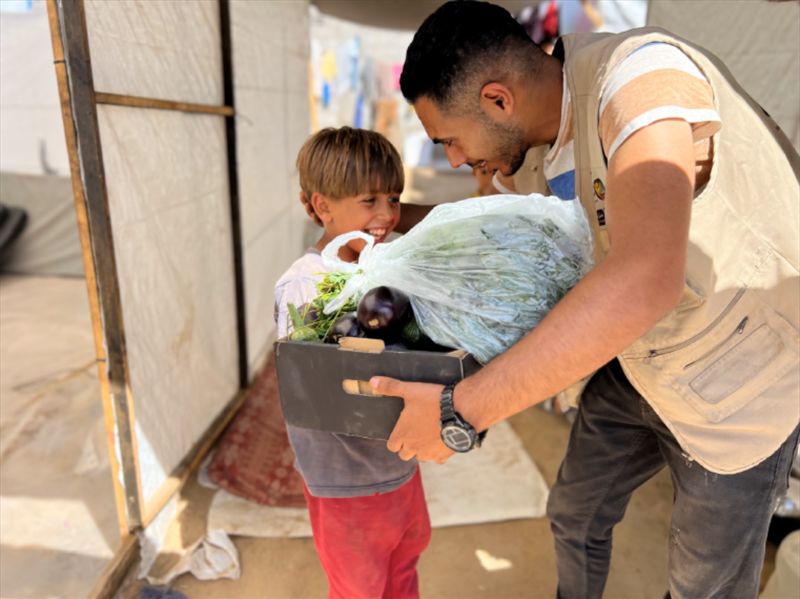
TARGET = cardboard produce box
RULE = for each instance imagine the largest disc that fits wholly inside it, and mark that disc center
(326, 387)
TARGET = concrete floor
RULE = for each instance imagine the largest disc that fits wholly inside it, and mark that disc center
(58, 520)
(288, 568)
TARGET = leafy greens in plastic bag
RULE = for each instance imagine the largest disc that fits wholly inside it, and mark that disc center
(480, 273)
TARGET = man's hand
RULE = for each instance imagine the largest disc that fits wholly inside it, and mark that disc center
(418, 432)
(309, 209)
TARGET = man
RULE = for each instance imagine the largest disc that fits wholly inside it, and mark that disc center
(691, 314)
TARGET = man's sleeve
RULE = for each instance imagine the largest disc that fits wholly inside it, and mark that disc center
(657, 82)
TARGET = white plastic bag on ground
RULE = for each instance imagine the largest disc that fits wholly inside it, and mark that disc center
(480, 273)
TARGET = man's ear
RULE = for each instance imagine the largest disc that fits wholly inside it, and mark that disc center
(321, 206)
(497, 101)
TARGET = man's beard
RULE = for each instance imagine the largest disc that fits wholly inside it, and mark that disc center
(509, 147)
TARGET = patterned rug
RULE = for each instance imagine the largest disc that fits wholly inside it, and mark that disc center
(254, 460)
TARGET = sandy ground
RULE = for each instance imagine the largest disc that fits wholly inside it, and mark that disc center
(58, 520)
(288, 568)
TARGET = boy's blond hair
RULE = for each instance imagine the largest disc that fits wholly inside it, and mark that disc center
(346, 162)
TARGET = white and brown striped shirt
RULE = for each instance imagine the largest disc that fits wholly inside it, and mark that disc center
(654, 83)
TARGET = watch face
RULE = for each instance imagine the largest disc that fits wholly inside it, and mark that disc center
(456, 438)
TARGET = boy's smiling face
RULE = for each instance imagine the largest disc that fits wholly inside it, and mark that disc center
(375, 214)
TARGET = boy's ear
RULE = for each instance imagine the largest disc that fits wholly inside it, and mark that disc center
(309, 209)
(321, 206)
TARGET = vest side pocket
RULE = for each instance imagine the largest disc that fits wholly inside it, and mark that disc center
(748, 352)
(737, 367)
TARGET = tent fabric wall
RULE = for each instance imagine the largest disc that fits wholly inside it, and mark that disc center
(270, 53)
(757, 40)
(164, 50)
(168, 199)
(165, 175)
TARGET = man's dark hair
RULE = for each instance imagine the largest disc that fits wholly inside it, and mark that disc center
(464, 41)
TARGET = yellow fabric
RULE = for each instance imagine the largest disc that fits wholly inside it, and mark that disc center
(328, 67)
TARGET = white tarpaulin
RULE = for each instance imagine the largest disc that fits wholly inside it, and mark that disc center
(166, 174)
(168, 191)
(758, 41)
(34, 168)
(164, 50)
(30, 113)
(271, 50)
(58, 520)
(167, 181)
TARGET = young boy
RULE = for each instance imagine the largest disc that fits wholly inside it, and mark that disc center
(367, 506)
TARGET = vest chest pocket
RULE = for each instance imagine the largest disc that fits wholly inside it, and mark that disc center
(749, 350)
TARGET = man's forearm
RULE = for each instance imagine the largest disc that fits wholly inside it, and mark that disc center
(609, 309)
(648, 209)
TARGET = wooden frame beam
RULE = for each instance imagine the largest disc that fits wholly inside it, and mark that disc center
(137, 102)
(74, 72)
(112, 576)
(86, 252)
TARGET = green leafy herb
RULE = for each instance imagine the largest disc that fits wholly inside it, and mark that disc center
(313, 324)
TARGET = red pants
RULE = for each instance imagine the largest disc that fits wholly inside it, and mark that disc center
(369, 546)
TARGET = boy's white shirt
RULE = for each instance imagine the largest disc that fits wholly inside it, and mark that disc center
(297, 286)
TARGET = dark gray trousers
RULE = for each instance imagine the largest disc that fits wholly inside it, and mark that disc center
(719, 522)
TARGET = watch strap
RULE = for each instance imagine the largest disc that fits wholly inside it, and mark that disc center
(448, 410)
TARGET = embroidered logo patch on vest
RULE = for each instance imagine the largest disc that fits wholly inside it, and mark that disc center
(599, 189)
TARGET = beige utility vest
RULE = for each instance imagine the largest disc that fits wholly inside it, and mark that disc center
(722, 369)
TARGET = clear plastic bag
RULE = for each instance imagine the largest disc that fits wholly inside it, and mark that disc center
(480, 273)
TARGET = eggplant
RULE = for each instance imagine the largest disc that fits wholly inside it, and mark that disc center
(382, 312)
(310, 313)
(346, 326)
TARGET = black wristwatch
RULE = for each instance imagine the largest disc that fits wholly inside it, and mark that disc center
(458, 434)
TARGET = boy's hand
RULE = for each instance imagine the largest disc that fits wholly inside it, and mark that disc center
(309, 209)
(417, 432)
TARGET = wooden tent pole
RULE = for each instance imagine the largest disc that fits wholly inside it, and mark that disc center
(88, 260)
(74, 72)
